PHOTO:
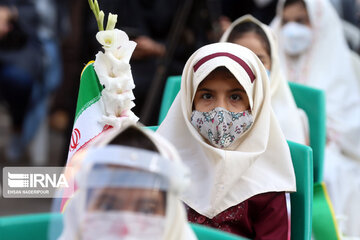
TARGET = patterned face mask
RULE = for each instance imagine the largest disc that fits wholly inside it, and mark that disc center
(220, 126)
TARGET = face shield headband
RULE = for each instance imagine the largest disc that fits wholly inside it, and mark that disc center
(117, 177)
(175, 173)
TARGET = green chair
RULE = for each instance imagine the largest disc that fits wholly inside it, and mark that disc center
(153, 128)
(40, 226)
(172, 87)
(48, 226)
(301, 200)
(206, 233)
(312, 101)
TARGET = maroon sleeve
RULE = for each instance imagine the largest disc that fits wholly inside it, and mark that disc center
(269, 216)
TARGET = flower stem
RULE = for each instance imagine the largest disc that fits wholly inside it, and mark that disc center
(94, 6)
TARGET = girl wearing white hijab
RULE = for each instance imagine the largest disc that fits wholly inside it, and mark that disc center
(314, 52)
(247, 31)
(128, 189)
(226, 132)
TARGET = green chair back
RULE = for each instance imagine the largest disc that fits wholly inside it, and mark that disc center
(40, 226)
(206, 233)
(301, 200)
(312, 101)
(48, 226)
(172, 87)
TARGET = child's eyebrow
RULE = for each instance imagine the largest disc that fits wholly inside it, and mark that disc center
(237, 90)
(204, 90)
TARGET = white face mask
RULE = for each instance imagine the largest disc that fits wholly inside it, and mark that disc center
(122, 225)
(296, 38)
(220, 126)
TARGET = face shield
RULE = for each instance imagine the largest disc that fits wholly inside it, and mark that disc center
(123, 203)
(126, 193)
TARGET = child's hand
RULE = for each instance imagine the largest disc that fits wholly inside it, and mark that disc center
(147, 47)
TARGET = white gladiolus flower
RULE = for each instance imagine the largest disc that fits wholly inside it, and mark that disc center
(117, 43)
(107, 65)
(114, 73)
(119, 122)
(124, 51)
(115, 104)
(106, 38)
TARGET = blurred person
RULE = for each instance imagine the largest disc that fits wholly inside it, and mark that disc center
(263, 10)
(227, 134)
(6, 15)
(251, 33)
(314, 52)
(21, 69)
(347, 11)
(128, 185)
(45, 30)
(53, 25)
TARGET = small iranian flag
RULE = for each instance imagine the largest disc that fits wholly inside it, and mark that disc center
(89, 110)
(105, 95)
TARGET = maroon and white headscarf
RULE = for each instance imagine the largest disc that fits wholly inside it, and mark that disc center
(258, 162)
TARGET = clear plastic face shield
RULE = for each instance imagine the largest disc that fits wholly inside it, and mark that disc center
(127, 198)
(124, 204)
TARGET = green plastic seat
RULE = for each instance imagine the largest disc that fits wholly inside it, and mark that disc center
(42, 226)
(312, 101)
(206, 233)
(172, 87)
(302, 199)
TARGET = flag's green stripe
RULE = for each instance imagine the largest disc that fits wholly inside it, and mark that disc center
(89, 90)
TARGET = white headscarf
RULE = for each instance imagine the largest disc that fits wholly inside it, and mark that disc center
(176, 227)
(282, 101)
(258, 162)
(327, 65)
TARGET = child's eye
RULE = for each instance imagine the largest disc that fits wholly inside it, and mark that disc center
(147, 208)
(235, 97)
(206, 96)
(106, 205)
(301, 20)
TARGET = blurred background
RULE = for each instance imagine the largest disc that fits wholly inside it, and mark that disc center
(44, 44)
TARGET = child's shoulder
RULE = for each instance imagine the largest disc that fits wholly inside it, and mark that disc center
(266, 198)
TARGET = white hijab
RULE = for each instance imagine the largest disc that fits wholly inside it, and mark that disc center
(258, 162)
(327, 65)
(282, 101)
(177, 227)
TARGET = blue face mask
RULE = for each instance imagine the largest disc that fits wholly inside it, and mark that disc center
(268, 73)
